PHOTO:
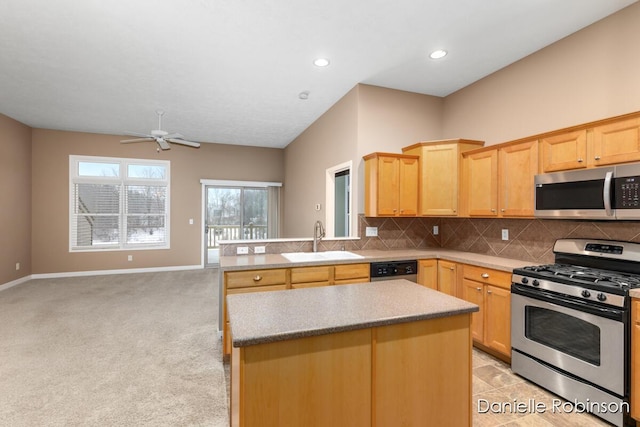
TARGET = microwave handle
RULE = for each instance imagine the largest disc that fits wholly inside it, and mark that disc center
(606, 193)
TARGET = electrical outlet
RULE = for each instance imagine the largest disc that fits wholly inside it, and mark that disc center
(130, 258)
(505, 234)
(436, 230)
(242, 250)
(190, 221)
(259, 250)
(17, 266)
(371, 231)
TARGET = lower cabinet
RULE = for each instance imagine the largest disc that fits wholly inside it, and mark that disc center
(281, 279)
(635, 359)
(448, 277)
(491, 291)
(428, 273)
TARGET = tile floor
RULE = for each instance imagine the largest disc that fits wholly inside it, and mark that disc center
(493, 381)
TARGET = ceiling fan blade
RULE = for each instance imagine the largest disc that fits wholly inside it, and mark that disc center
(126, 141)
(185, 142)
(173, 135)
(163, 144)
(141, 135)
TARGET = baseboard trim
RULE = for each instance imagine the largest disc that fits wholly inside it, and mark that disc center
(120, 271)
(14, 283)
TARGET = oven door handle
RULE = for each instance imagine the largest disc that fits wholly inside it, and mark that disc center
(575, 304)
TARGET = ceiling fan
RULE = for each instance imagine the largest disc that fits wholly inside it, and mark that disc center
(160, 136)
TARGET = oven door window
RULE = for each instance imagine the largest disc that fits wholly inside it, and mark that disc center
(564, 333)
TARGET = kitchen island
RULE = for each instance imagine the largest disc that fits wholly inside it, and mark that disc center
(375, 354)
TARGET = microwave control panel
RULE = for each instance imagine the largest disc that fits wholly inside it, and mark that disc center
(627, 192)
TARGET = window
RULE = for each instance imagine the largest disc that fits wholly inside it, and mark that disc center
(118, 203)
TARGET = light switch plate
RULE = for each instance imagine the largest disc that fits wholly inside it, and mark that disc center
(371, 231)
(436, 230)
(259, 250)
(242, 250)
(505, 234)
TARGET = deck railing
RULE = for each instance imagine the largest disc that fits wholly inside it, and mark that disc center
(215, 233)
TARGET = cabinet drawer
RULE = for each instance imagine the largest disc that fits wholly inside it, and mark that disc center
(487, 275)
(245, 279)
(351, 271)
(310, 274)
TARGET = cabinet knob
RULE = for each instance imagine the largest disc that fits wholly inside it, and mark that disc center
(597, 157)
(485, 275)
(502, 210)
(395, 210)
(454, 211)
(478, 289)
(488, 291)
(493, 210)
(451, 268)
(257, 278)
(580, 160)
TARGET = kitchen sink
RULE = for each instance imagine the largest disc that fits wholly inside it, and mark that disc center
(320, 256)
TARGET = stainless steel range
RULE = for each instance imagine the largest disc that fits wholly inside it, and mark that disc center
(570, 324)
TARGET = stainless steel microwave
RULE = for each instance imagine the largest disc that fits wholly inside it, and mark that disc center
(599, 193)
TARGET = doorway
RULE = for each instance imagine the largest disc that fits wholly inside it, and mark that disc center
(339, 203)
(237, 212)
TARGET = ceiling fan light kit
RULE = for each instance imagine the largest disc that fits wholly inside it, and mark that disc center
(161, 137)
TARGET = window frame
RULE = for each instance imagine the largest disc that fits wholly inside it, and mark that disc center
(123, 181)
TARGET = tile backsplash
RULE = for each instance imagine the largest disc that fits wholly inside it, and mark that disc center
(529, 239)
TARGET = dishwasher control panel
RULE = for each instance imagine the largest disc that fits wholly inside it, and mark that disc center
(394, 268)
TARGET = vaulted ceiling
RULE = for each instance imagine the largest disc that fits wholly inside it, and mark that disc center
(232, 71)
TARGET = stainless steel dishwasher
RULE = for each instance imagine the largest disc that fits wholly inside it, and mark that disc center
(391, 270)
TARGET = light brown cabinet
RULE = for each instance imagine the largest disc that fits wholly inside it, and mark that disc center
(428, 273)
(635, 359)
(391, 184)
(236, 282)
(281, 279)
(440, 169)
(499, 181)
(448, 277)
(490, 290)
(612, 142)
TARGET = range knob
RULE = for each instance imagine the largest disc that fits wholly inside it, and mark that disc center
(601, 297)
(536, 282)
(524, 280)
(586, 293)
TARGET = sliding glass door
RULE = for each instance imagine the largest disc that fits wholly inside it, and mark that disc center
(237, 213)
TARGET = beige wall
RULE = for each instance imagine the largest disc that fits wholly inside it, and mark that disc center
(590, 75)
(15, 199)
(50, 227)
(367, 119)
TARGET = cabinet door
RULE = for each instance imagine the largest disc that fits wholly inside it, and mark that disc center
(408, 186)
(439, 180)
(447, 277)
(482, 183)
(474, 293)
(498, 319)
(635, 359)
(428, 273)
(518, 166)
(564, 152)
(615, 143)
(388, 185)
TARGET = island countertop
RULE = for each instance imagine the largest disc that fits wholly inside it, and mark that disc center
(263, 317)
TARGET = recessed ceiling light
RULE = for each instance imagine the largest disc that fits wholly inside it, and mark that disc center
(321, 62)
(304, 94)
(437, 54)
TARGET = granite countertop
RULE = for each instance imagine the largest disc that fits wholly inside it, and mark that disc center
(248, 262)
(263, 317)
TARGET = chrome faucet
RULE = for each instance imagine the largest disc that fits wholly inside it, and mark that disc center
(318, 234)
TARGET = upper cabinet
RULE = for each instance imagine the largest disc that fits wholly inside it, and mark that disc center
(564, 151)
(612, 142)
(440, 174)
(391, 184)
(498, 180)
(618, 142)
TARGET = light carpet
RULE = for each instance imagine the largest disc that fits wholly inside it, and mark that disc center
(118, 350)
